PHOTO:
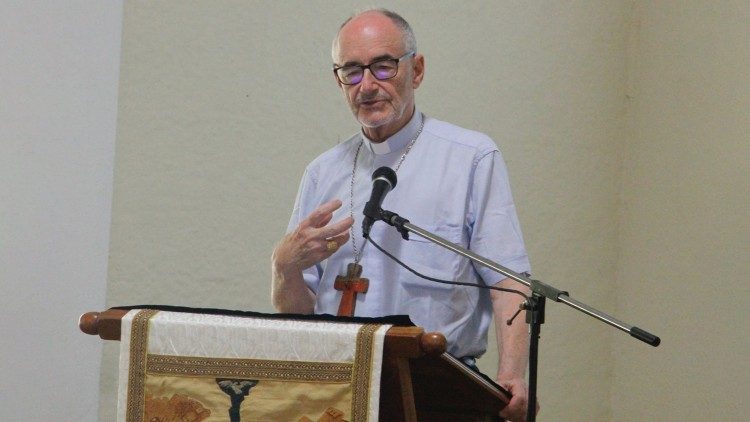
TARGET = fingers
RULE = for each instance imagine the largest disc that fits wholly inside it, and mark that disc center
(517, 407)
(331, 246)
(321, 215)
(337, 228)
(316, 238)
(326, 219)
(515, 410)
(340, 240)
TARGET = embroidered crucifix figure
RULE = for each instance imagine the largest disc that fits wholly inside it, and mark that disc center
(350, 286)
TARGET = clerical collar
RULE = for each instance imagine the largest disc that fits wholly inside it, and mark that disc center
(399, 140)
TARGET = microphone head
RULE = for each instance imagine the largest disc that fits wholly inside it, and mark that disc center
(385, 173)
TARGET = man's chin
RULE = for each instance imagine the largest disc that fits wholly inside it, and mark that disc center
(375, 120)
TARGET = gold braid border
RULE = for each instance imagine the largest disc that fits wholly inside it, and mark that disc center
(330, 372)
(137, 371)
(362, 373)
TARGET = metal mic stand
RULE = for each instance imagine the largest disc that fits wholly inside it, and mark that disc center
(534, 306)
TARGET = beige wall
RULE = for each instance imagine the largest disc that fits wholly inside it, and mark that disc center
(222, 104)
(59, 66)
(685, 232)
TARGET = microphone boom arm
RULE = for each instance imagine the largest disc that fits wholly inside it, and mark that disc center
(536, 286)
(534, 305)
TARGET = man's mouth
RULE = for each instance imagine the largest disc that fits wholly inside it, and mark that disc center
(370, 102)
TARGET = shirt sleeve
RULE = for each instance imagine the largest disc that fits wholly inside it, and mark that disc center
(303, 206)
(495, 231)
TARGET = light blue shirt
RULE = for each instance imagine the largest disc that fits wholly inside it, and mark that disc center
(453, 183)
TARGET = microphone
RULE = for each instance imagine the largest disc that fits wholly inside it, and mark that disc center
(383, 180)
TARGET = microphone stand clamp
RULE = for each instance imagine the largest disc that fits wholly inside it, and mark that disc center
(396, 221)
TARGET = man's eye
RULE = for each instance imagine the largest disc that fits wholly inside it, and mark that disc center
(350, 71)
(382, 66)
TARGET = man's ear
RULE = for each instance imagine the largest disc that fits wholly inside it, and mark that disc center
(418, 69)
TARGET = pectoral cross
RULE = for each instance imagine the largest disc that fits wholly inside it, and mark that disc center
(350, 285)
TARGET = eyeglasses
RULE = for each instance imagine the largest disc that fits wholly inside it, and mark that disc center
(380, 69)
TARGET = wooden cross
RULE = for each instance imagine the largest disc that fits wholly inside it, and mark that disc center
(350, 285)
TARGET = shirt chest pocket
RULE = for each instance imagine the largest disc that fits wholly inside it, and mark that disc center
(426, 257)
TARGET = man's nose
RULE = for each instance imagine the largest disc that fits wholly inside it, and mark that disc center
(369, 83)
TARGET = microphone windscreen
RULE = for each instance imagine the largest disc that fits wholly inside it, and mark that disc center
(387, 173)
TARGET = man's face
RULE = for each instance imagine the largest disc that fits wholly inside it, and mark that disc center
(381, 107)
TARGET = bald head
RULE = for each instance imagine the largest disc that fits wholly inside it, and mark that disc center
(377, 16)
(381, 104)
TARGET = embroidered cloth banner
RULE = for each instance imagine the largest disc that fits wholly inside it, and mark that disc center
(202, 368)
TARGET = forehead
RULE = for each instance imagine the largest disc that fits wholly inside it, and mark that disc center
(367, 37)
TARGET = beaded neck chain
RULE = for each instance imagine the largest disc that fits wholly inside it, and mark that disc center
(357, 252)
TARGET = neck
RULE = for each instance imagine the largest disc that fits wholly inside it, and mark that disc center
(381, 133)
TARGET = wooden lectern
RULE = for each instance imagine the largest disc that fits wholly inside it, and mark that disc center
(419, 381)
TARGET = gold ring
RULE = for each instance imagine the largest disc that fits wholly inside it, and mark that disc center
(332, 245)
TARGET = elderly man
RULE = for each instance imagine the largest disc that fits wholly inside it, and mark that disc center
(452, 181)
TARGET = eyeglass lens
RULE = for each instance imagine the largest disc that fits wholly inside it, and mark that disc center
(381, 70)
